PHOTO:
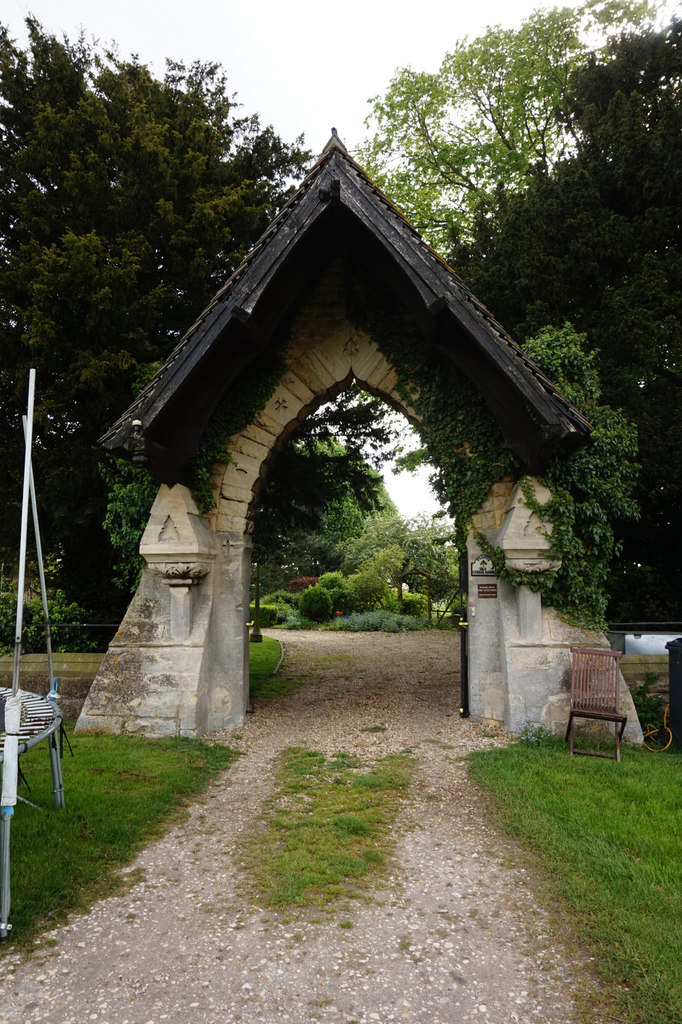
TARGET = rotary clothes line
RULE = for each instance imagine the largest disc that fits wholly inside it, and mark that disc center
(13, 702)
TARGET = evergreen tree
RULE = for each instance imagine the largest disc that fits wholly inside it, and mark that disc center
(125, 202)
(597, 240)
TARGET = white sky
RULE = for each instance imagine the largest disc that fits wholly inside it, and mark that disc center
(302, 66)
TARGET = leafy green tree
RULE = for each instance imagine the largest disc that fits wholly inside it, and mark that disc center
(426, 545)
(444, 141)
(322, 487)
(598, 240)
(125, 201)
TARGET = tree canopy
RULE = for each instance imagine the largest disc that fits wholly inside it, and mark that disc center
(443, 142)
(322, 486)
(597, 240)
(125, 201)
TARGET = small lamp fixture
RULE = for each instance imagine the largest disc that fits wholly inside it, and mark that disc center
(136, 444)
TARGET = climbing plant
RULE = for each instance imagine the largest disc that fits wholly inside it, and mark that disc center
(590, 489)
(459, 435)
(233, 413)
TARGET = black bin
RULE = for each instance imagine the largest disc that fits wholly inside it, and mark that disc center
(674, 648)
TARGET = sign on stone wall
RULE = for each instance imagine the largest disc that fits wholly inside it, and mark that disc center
(482, 566)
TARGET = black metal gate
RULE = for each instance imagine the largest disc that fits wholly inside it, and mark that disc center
(464, 635)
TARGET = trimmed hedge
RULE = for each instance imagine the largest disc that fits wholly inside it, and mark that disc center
(269, 614)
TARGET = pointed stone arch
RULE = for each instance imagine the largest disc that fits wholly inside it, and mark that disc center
(325, 354)
(179, 663)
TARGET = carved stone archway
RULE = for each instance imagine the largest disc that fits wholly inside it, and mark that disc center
(179, 663)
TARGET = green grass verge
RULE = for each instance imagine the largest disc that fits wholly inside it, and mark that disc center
(120, 792)
(325, 833)
(610, 837)
(263, 660)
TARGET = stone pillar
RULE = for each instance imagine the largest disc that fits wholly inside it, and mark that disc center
(533, 666)
(529, 610)
(535, 643)
(152, 679)
(180, 609)
(486, 682)
(227, 643)
(486, 685)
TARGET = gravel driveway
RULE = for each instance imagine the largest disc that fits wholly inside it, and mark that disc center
(456, 933)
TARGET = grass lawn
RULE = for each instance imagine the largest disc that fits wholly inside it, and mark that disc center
(263, 660)
(120, 792)
(609, 837)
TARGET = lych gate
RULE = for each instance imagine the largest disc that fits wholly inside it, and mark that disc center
(179, 662)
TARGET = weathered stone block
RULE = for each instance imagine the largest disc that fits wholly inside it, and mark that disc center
(296, 386)
(283, 407)
(329, 375)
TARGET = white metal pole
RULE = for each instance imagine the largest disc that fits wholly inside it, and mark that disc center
(24, 531)
(41, 572)
(10, 763)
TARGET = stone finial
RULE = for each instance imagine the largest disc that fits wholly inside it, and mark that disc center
(524, 536)
(177, 543)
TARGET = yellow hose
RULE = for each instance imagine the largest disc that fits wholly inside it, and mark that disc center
(652, 731)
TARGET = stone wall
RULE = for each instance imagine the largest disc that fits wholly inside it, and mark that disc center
(636, 667)
(74, 672)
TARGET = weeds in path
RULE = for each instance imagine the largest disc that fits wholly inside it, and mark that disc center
(327, 830)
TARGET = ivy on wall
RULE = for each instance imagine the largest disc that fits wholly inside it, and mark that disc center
(233, 413)
(459, 434)
(590, 489)
(593, 489)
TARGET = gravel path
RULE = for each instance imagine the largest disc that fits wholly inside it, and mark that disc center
(455, 934)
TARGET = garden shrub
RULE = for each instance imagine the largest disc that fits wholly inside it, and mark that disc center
(294, 620)
(380, 620)
(281, 597)
(316, 604)
(649, 705)
(284, 601)
(368, 591)
(336, 585)
(414, 604)
(269, 614)
(67, 632)
(301, 583)
(329, 580)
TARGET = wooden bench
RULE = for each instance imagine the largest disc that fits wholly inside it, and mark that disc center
(595, 687)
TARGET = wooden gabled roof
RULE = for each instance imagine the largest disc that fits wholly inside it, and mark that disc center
(339, 211)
